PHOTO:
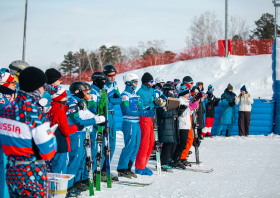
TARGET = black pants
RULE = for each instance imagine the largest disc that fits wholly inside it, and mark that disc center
(244, 121)
(166, 153)
(184, 133)
(199, 131)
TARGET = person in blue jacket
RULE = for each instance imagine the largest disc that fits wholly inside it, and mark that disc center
(147, 96)
(132, 109)
(76, 103)
(114, 98)
(228, 116)
(7, 95)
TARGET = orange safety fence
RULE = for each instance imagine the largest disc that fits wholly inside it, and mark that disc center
(239, 48)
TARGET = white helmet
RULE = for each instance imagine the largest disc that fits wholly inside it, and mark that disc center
(129, 77)
(160, 80)
(17, 66)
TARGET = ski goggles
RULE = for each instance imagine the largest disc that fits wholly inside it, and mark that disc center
(12, 83)
(110, 76)
(151, 81)
(135, 81)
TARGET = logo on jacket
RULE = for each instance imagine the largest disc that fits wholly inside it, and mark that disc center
(9, 127)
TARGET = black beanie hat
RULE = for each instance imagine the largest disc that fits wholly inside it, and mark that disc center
(187, 79)
(147, 77)
(229, 87)
(52, 75)
(31, 79)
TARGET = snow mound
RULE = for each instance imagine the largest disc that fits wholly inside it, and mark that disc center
(253, 71)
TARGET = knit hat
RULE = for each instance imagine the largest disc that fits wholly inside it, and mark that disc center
(6, 79)
(147, 77)
(52, 75)
(229, 87)
(200, 83)
(243, 88)
(183, 90)
(187, 79)
(31, 79)
(57, 93)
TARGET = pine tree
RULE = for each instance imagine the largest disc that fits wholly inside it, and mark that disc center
(265, 27)
(69, 65)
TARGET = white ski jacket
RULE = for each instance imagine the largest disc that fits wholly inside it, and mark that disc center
(184, 119)
(245, 103)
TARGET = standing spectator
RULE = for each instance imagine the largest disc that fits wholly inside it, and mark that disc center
(158, 86)
(177, 84)
(147, 95)
(211, 103)
(200, 111)
(228, 117)
(245, 109)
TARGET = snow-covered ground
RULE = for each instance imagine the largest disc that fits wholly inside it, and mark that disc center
(243, 167)
(253, 71)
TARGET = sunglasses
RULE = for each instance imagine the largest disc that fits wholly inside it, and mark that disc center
(111, 75)
(152, 81)
(136, 82)
(12, 83)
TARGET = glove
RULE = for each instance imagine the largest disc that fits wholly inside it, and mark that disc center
(103, 123)
(147, 113)
(41, 105)
(217, 99)
(81, 105)
(79, 93)
(198, 96)
(196, 142)
(80, 127)
(193, 105)
(99, 119)
(231, 104)
(181, 109)
(158, 101)
(116, 96)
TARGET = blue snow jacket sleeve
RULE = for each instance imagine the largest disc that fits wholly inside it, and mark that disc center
(112, 89)
(147, 96)
(73, 113)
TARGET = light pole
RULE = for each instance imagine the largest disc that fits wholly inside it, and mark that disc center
(24, 31)
(276, 4)
(226, 29)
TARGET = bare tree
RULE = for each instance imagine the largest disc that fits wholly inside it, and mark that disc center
(54, 65)
(157, 45)
(101, 57)
(238, 27)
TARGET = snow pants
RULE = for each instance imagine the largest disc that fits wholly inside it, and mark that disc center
(221, 128)
(132, 138)
(59, 163)
(185, 152)
(112, 139)
(75, 156)
(93, 153)
(147, 142)
(181, 146)
(82, 156)
(208, 126)
(244, 121)
(166, 152)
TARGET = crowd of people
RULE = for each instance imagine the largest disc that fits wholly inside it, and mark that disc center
(32, 104)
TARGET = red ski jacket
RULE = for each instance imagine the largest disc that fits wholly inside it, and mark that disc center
(57, 115)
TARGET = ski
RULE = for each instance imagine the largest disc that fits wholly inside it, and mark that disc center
(157, 144)
(198, 169)
(134, 184)
(101, 111)
(106, 133)
(89, 162)
(195, 137)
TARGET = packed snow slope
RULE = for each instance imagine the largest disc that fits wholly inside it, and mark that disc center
(253, 71)
(243, 167)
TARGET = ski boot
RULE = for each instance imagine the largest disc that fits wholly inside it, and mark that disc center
(132, 174)
(178, 164)
(185, 162)
(81, 186)
(124, 173)
(144, 171)
(227, 135)
(73, 192)
(104, 177)
(166, 168)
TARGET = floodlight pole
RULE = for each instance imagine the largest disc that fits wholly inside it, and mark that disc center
(24, 32)
(276, 5)
(226, 29)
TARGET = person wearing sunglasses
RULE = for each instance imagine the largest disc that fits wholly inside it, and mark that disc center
(147, 96)
(132, 109)
(114, 98)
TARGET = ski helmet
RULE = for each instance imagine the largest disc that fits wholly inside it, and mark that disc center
(166, 88)
(76, 86)
(210, 88)
(187, 79)
(108, 69)
(17, 66)
(159, 80)
(97, 79)
(87, 86)
(129, 78)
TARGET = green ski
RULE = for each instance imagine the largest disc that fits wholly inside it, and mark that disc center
(89, 162)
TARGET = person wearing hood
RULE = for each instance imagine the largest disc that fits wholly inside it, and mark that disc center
(228, 115)
(147, 96)
(245, 108)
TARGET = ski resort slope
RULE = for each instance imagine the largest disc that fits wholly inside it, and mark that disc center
(253, 71)
(243, 167)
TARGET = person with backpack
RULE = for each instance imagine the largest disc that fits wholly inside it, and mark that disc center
(245, 108)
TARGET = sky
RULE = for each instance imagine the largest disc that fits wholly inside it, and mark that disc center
(57, 27)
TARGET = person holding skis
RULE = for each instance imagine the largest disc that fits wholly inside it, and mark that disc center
(245, 108)
(114, 98)
(185, 125)
(132, 109)
(228, 116)
(147, 96)
(210, 103)
(158, 86)
(32, 140)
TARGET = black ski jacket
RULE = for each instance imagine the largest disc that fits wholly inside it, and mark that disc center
(211, 103)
